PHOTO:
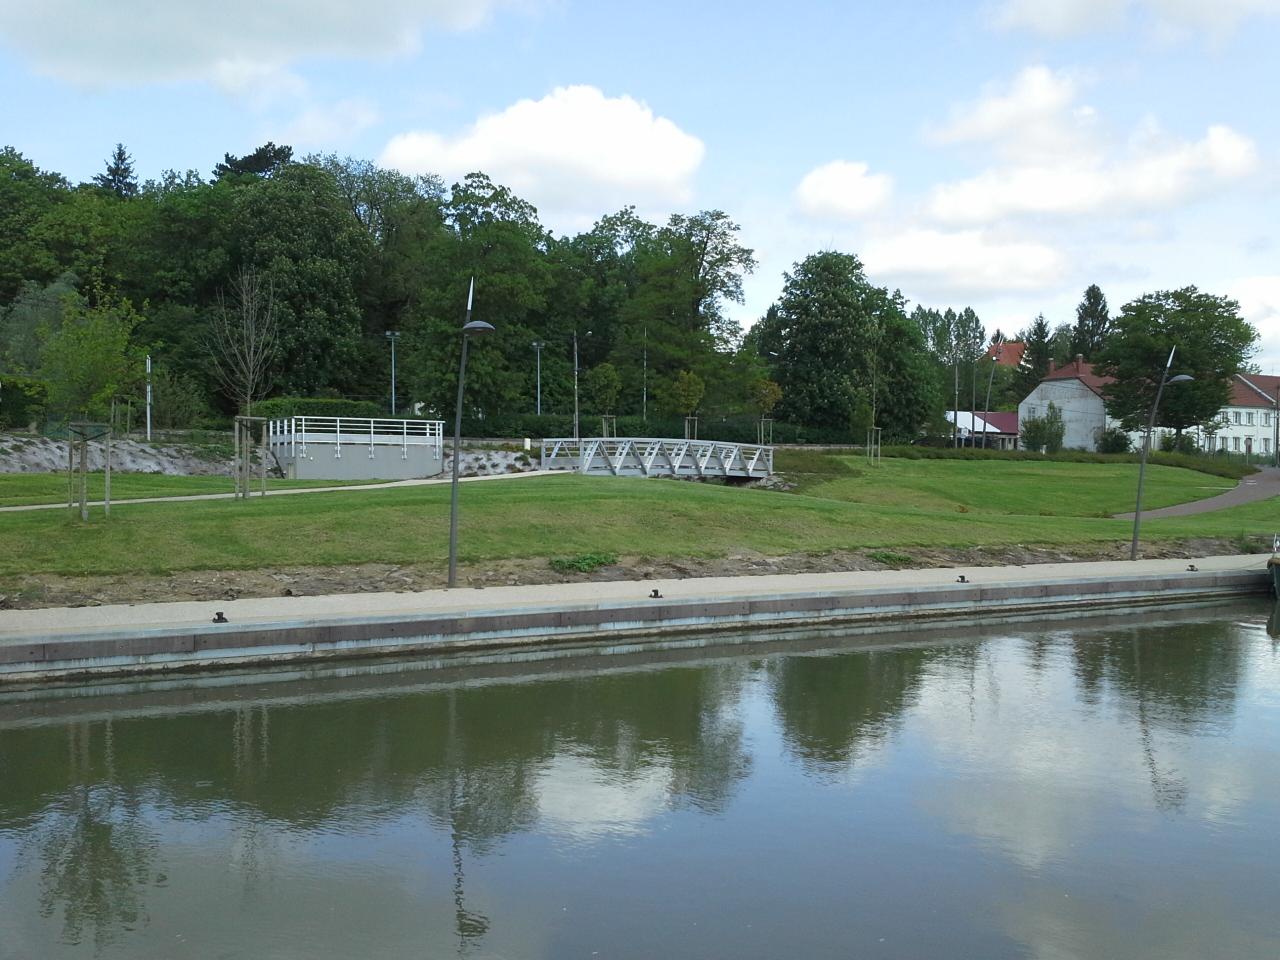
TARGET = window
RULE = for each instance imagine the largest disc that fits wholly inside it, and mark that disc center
(1235, 416)
(1266, 419)
(1266, 444)
(1222, 443)
(1235, 442)
(1248, 418)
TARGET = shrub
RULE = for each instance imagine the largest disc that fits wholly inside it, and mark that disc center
(1114, 440)
(1044, 433)
(278, 407)
(1172, 443)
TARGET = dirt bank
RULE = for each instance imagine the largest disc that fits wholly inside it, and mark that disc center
(226, 585)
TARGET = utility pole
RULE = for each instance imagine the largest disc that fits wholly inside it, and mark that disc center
(148, 397)
(575, 382)
(644, 390)
(393, 336)
(537, 348)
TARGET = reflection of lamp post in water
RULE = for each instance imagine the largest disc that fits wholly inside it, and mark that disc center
(468, 925)
(1146, 447)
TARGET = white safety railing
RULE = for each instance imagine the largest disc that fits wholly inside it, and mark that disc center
(293, 436)
(657, 457)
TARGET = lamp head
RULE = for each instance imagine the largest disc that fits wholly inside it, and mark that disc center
(1181, 378)
(476, 328)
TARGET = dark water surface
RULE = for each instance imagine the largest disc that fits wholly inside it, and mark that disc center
(1078, 788)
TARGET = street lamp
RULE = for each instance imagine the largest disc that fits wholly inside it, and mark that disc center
(471, 328)
(1146, 446)
(393, 336)
(537, 348)
(575, 382)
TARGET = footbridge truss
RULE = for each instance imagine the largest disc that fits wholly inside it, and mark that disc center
(657, 457)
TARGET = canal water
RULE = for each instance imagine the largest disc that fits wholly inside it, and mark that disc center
(1078, 788)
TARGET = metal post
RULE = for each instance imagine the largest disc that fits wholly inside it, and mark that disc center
(148, 398)
(644, 390)
(575, 385)
(393, 336)
(84, 477)
(1275, 427)
(537, 349)
(986, 411)
(106, 479)
(457, 444)
(1146, 450)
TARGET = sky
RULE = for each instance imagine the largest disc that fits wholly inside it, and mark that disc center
(1001, 155)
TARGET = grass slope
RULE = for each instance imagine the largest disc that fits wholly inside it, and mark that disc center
(1027, 488)
(19, 489)
(562, 515)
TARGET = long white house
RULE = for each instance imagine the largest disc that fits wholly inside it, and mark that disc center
(1248, 424)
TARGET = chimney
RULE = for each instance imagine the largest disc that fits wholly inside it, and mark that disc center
(1079, 362)
(1053, 365)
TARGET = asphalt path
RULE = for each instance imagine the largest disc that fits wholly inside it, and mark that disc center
(1263, 485)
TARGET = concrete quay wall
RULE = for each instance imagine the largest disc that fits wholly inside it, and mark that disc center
(452, 622)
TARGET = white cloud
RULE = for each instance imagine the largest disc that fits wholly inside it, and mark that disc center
(326, 126)
(1051, 159)
(574, 152)
(962, 263)
(842, 190)
(1034, 115)
(1259, 299)
(1067, 17)
(139, 41)
(1152, 174)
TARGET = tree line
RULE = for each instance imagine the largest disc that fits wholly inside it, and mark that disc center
(324, 256)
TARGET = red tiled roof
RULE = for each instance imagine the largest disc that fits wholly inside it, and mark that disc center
(1082, 371)
(1247, 390)
(1254, 390)
(1010, 353)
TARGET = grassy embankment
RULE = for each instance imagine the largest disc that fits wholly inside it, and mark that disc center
(20, 489)
(840, 505)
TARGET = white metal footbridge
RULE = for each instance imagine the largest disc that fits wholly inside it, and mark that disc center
(657, 457)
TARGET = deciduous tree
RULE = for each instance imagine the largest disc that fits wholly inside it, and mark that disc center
(1213, 342)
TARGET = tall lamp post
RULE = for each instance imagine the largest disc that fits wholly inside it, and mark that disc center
(575, 382)
(537, 348)
(1146, 446)
(470, 328)
(393, 336)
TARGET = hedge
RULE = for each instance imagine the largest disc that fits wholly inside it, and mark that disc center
(1214, 466)
(278, 407)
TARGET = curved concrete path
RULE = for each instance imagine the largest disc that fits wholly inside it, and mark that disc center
(350, 488)
(1263, 485)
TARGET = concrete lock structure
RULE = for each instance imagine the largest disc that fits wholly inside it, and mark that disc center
(350, 448)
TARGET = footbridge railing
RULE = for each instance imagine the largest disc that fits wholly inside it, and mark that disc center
(295, 436)
(657, 457)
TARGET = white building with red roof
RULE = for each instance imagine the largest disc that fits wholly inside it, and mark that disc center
(1248, 424)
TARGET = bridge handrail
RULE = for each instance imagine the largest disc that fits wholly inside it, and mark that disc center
(296, 433)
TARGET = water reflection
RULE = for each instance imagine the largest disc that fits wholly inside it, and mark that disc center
(550, 815)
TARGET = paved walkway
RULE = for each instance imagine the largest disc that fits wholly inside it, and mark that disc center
(352, 488)
(1263, 485)
(302, 612)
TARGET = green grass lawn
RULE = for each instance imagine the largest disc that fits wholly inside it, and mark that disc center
(18, 489)
(567, 515)
(1026, 488)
